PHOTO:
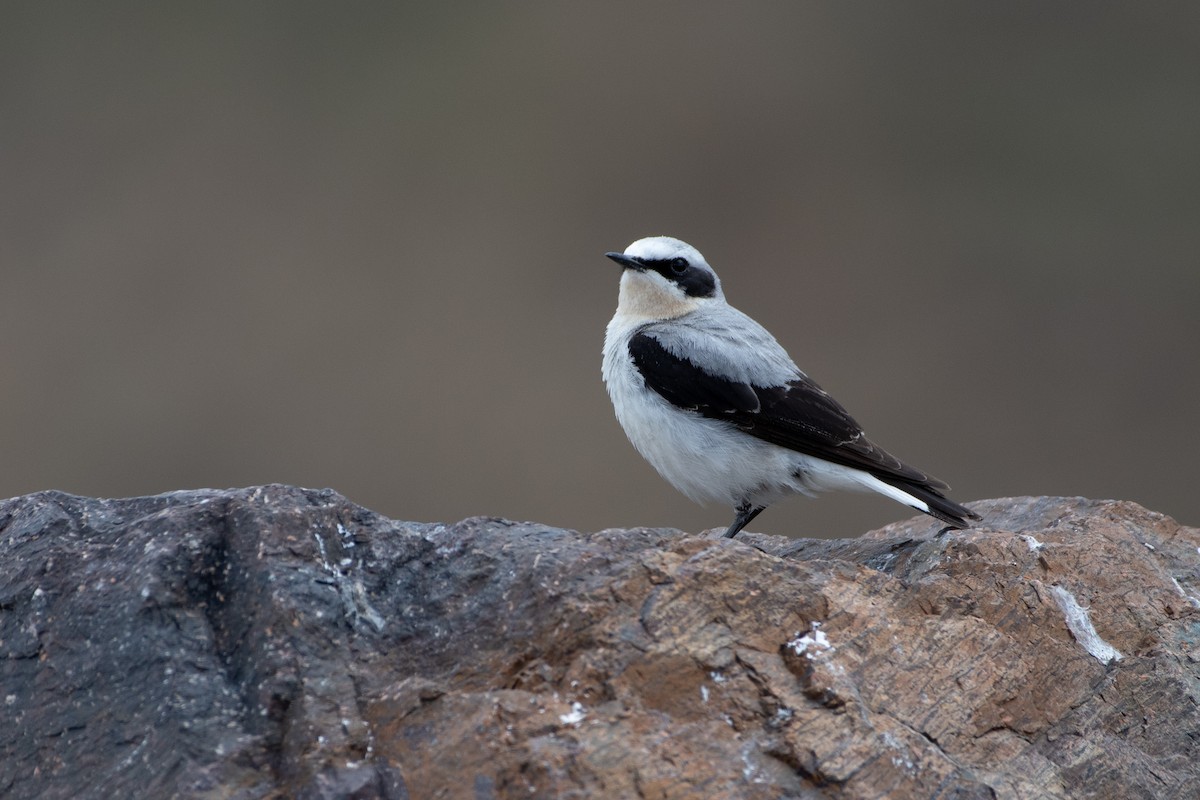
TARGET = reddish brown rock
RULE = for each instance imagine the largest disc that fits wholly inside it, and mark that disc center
(278, 642)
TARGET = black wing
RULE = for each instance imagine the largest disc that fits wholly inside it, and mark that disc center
(800, 416)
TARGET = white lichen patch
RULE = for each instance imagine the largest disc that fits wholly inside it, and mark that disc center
(814, 640)
(1034, 544)
(751, 770)
(324, 555)
(1080, 625)
(901, 757)
(1193, 600)
(575, 716)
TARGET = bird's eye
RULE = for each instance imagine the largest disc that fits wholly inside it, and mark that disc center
(679, 265)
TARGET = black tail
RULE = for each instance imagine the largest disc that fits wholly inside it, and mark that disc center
(940, 506)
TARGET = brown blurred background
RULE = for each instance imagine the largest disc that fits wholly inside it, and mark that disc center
(361, 245)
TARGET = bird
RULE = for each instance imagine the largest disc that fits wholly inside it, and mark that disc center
(715, 404)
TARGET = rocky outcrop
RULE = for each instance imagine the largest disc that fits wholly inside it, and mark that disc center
(279, 642)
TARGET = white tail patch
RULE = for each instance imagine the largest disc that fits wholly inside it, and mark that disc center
(871, 483)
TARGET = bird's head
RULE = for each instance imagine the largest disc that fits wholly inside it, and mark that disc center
(664, 278)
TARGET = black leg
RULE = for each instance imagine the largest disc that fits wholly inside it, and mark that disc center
(744, 514)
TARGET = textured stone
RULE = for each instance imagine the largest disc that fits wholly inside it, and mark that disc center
(279, 642)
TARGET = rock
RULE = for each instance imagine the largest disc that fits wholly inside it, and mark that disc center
(279, 642)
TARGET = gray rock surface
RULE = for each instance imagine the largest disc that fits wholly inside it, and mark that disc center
(280, 642)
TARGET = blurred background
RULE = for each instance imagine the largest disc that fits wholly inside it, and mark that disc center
(360, 246)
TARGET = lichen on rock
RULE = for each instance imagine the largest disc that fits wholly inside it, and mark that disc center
(276, 641)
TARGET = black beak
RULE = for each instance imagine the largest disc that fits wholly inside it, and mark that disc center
(628, 262)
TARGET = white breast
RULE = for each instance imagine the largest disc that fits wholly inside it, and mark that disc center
(705, 459)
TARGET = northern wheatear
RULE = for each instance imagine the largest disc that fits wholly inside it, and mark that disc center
(712, 401)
